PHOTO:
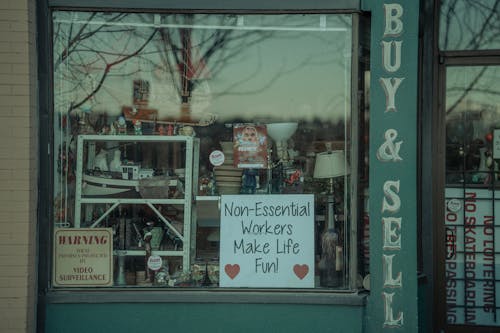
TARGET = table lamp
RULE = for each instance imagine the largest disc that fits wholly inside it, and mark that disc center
(280, 133)
(330, 165)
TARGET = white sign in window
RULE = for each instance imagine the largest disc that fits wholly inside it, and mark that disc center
(267, 241)
(472, 256)
(83, 257)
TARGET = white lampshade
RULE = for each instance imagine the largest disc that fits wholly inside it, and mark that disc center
(331, 164)
(281, 131)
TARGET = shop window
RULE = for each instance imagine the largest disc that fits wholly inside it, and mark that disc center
(204, 150)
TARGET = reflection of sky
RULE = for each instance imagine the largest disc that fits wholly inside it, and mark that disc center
(472, 87)
(472, 102)
(289, 74)
(469, 25)
(292, 75)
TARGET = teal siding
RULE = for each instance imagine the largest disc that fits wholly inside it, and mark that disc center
(186, 318)
(392, 305)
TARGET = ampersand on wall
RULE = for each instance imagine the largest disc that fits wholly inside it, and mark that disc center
(389, 150)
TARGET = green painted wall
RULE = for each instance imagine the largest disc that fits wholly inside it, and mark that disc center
(189, 317)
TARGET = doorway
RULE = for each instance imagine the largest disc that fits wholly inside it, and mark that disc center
(469, 234)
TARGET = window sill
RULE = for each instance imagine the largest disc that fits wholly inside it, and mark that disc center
(348, 298)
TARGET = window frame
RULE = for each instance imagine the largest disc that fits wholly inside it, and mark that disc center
(231, 295)
(224, 5)
(443, 59)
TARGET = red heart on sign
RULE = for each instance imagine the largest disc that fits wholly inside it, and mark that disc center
(301, 270)
(232, 270)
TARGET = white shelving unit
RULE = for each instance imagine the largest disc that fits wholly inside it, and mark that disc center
(190, 149)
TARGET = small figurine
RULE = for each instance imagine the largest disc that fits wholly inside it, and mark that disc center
(203, 182)
(121, 125)
(162, 277)
(137, 127)
(161, 130)
(101, 161)
(212, 186)
(112, 129)
(170, 130)
(187, 131)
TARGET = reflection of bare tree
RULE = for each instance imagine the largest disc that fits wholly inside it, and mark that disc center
(204, 54)
(470, 25)
(85, 54)
(86, 51)
(465, 91)
(99, 53)
(74, 39)
(315, 58)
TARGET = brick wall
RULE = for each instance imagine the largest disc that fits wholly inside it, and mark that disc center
(18, 165)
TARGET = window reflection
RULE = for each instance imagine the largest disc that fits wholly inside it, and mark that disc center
(471, 194)
(469, 25)
(266, 92)
(472, 116)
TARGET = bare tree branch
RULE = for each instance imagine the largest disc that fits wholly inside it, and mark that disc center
(466, 90)
(106, 72)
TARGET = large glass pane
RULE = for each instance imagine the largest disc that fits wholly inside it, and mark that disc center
(472, 220)
(469, 25)
(203, 141)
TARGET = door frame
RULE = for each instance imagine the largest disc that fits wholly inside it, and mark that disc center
(448, 59)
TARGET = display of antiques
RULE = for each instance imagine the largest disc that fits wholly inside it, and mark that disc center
(330, 165)
(145, 177)
(127, 177)
(151, 135)
(472, 147)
